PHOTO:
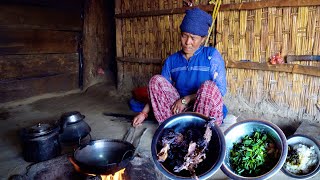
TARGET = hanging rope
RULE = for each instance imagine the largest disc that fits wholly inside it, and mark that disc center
(215, 11)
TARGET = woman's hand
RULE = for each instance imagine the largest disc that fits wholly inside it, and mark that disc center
(178, 107)
(138, 119)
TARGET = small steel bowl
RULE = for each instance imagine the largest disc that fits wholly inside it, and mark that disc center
(246, 127)
(308, 141)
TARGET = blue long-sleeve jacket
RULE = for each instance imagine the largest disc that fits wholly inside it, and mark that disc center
(188, 75)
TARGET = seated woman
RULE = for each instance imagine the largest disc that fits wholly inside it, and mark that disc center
(193, 78)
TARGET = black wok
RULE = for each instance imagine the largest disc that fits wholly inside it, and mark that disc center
(105, 156)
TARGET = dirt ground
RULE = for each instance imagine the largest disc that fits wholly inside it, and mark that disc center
(96, 100)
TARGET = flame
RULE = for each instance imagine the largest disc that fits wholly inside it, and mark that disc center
(116, 176)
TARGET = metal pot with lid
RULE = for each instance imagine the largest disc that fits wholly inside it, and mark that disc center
(73, 127)
(40, 142)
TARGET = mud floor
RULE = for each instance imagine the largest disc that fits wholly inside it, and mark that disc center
(93, 103)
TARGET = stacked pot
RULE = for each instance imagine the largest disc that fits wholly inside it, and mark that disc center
(42, 141)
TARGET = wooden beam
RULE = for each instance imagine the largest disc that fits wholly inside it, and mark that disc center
(153, 13)
(308, 70)
(23, 41)
(15, 67)
(289, 68)
(140, 60)
(268, 3)
(259, 66)
(224, 7)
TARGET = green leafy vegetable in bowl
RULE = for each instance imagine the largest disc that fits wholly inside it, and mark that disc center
(254, 155)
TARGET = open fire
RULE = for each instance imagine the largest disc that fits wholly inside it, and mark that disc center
(119, 175)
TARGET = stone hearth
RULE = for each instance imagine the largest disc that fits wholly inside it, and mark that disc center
(60, 168)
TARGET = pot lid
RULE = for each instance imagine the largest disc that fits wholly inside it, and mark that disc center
(72, 117)
(38, 130)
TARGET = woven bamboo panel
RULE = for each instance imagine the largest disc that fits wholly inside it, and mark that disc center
(151, 37)
(131, 75)
(256, 35)
(282, 91)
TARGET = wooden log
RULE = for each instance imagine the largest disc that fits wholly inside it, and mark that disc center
(225, 7)
(22, 41)
(33, 17)
(13, 67)
(20, 89)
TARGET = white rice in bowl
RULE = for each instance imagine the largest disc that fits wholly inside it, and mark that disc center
(301, 159)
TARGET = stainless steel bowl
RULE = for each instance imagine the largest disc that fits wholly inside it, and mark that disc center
(308, 141)
(179, 123)
(246, 127)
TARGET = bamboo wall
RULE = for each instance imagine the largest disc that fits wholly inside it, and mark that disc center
(258, 34)
(148, 31)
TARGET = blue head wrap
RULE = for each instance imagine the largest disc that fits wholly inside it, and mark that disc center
(196, 21)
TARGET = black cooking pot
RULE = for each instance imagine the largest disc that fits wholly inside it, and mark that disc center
(73, 127)
(105, 156)
(179, 123)
(40, 142)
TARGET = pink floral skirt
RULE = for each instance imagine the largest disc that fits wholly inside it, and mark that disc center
(163, 95)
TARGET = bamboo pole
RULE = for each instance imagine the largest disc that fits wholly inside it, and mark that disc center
(271, 30)
(215, 11)
(257, 36)
(285, 31)
(242, 29)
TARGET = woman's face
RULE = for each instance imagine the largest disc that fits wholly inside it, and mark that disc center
(190, 43)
